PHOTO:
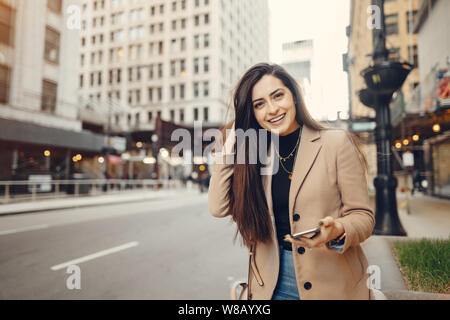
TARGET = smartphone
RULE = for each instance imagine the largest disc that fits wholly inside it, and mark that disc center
(314, 231)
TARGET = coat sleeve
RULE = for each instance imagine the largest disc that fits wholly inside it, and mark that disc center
(357, 216)
(222, 171)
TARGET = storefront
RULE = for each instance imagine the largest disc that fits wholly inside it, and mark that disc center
(438, 160)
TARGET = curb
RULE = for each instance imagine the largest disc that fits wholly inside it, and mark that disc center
(415, 295)
(51, 205)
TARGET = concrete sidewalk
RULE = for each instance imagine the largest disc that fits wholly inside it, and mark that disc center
(84, 201)
(428, 218)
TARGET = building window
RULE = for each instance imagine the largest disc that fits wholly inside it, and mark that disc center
(138, 73)
(197, 41)
(138, 96)
(181, 115)
(196, 66)
(206, 40)
(150, 95)
(6, 25)
(54, 5)
(81, 80)
(49, 94)
(195, 89)
(158, 114)
(119, 71)
(195, 114)
(410, 18)
(172, 115)
(206, 88)
(150, 116)
(130, 74)
(391, 22)
(182, 67)
(206, 64)
(205, 114)
(4, 84)
(159, 94)
(130, 96)
(172, 92)
(181, 91)
(413, 56)
(51, 53)
(150, 71)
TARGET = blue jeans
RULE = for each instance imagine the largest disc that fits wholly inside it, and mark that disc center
(286, 288)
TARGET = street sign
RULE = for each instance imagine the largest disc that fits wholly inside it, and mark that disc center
(408, 159)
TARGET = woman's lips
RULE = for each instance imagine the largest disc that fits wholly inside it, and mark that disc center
(278, 122)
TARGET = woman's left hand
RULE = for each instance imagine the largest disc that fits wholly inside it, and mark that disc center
(330, 229)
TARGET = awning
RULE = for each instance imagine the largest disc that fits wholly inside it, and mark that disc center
(11, 130)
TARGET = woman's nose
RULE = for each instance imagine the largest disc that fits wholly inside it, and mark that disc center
(273, 108)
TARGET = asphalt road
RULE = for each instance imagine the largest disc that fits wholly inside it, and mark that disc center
(168, 248)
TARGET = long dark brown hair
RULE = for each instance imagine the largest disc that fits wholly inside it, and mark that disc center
(248, 205)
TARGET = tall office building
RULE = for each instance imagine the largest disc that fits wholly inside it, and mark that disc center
(297, 59)
(177, 60)
(40, 130)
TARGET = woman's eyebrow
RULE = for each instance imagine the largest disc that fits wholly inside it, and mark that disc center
(273, 92)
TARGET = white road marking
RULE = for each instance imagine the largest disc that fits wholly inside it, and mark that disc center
(35, 227)
(95, 255)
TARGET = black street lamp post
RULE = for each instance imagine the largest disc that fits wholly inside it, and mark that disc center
(383, 78)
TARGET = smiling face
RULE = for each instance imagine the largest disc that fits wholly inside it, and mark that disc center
(274, 106)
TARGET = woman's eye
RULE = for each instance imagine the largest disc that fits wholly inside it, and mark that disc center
(278, 95)
(258, 105)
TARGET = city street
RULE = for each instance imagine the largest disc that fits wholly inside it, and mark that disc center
(169, 248)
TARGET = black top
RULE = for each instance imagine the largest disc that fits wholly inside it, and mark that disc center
(281, 185)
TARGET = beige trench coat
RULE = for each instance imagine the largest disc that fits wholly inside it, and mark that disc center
(328, 180)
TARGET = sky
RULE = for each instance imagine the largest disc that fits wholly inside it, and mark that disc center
(323, 21)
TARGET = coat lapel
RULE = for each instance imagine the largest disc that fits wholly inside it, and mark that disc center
(267, 180)
(310, 145)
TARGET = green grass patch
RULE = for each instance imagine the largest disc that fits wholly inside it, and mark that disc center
(425, 264)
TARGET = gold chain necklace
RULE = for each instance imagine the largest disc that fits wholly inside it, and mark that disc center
(283, 159)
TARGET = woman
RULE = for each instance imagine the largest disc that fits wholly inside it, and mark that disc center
(320, 183)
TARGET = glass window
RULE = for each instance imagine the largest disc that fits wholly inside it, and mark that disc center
(52, 39)
(49, 94)
(54, 5)
(5, 73)
(391, 22)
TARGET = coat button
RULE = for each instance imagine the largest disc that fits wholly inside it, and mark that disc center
(301, 250)
(296, 217)
(307, 285)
